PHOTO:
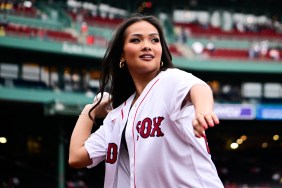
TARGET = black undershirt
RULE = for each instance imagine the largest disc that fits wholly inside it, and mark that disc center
(123, 140)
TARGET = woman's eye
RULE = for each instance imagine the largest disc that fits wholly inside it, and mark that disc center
(156, 40)
(134, 40)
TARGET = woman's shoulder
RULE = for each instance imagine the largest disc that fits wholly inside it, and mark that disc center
(175, 73)
(111, 116)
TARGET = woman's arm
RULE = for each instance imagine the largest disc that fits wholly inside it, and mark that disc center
(78, 155)
(201, 97)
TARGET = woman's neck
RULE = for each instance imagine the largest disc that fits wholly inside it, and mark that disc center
(141, 82)
(134, 100)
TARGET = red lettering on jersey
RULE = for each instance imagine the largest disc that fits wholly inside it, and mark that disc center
(138, 129)
(111, 153)
(157, 130)
(146, 127)
(150, 128)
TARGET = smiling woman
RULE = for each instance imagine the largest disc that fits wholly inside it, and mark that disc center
(31, 155)
(147, 42)
(159, 112)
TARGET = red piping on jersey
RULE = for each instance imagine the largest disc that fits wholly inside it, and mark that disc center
(134, 127)
(122, 115)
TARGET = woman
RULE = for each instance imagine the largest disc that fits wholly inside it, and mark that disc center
(148, 139)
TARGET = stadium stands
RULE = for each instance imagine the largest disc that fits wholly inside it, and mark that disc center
(234, 62)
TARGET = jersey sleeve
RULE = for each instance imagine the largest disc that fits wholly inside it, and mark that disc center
(96, 146)
(182, 83)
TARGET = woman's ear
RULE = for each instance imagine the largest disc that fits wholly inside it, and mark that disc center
(122, 59)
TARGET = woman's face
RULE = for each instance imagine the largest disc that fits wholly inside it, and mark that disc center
(142, 49)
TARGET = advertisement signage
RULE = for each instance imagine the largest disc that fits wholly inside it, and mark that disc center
(235, 111)
(270, 112)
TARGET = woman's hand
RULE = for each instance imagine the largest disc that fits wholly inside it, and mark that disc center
(104, 107)
(100, 111)
(202, 121)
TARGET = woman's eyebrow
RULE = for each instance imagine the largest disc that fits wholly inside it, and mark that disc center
(151, 34)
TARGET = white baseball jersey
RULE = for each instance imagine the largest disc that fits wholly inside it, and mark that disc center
(163, 150)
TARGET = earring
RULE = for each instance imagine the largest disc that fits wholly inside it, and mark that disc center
(162, 63)
(121, 64)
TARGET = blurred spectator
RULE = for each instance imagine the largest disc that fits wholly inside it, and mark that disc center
(90, 40)
(254, 50)
(41, 33)
(83, 38)
(274, 54)
(198, 47)
(210, 46)
(84, 28)
(240, 27)
(183, 36)
(264, 46)
(2, 31)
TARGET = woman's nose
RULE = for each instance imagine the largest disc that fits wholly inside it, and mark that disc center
(146, 47)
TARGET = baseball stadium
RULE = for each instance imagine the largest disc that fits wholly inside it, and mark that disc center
(50, 65)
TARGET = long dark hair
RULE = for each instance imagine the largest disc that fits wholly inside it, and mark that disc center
(118, 81)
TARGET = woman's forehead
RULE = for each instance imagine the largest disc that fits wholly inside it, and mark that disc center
(141, 28)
